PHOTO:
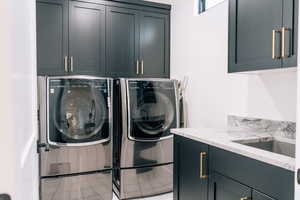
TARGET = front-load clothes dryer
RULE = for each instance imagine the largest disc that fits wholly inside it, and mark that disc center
(75, 140)
(143, 154)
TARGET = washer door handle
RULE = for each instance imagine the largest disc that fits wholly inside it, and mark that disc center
(42, 145)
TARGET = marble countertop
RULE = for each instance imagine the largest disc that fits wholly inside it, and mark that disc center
(225, 140)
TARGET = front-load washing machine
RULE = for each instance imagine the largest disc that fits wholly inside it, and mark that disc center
(75, 139)
(143, 153)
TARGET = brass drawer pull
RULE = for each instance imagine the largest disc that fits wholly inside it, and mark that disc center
(245, 198)
(137, 67)
(142, 67)
(202, 161)
(274, 44)
(283, 30)
(72, 63)
(66, 64)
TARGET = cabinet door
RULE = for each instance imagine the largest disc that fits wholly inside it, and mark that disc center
(259, 196)
(52, 36)
(87, 38)
(155, 45)
(251, 25)
(290, 21)
(188, 183)
(122, 42)
(223, 188)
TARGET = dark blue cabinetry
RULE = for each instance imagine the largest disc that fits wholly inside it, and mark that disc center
(223, 188)
(138, 43)
(190, 170)
(262, 34)
(103, 38)
(87, 38)
(228, 175)
(52, 36)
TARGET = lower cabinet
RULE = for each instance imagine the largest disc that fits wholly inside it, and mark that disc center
(204, 172)
(223, 188)
(259, 196)
(271, 180)
(191, 169)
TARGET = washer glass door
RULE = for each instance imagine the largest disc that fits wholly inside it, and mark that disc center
(78, 111)
(152, 109)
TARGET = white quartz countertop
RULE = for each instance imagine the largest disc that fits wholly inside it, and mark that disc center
(225, 140)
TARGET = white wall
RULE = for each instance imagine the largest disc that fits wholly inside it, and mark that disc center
(199, 50)
(18, 168)
(297, 186)
(6, 139)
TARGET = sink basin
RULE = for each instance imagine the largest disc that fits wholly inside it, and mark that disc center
(271, 144)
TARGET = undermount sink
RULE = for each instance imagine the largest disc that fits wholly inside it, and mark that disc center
(271, 144)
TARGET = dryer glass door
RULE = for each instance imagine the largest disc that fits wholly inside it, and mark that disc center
(152, 109)
(78, 111)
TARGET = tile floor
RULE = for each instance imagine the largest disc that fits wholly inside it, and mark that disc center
(168, 196)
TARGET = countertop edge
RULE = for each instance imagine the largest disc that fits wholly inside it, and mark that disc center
(239, 149)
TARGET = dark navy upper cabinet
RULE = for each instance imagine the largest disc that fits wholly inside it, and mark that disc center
(87, 38)
(290, 29)
(118, 38)
(52, 37)
(122, 42)
(262, 34)
(154, 44)
(138, 43)
(250, 34)
(70, 38)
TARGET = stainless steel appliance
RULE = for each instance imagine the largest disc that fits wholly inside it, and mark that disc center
(75, 140)
(143, 153)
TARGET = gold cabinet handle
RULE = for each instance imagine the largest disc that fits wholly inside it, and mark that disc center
(137, 67)
(283, 30)
(66, 63)
(202, 161)
(245, 198)
(274, 44)
(72, 63)
(142, 67)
